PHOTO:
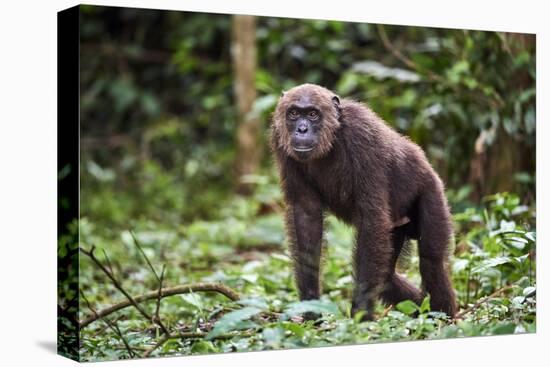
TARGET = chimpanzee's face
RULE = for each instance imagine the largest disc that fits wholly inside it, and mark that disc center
(303, 121)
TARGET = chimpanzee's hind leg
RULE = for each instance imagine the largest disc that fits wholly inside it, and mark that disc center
(433, 247)
(398, 288)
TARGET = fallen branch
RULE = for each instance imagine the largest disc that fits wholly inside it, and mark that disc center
(165, 292)
(157, 294)
(476, 305)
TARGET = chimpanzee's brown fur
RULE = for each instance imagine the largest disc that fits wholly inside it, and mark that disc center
(371, 177)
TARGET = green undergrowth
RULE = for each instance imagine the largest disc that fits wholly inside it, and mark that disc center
(243, 247)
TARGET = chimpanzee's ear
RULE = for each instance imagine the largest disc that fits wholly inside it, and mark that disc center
(336, 103)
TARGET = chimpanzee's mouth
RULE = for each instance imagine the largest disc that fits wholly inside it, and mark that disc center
(302, 149)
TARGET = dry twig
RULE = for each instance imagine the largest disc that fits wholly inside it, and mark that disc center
(157, 294)
(386, 311)
(476, 305)
(115, 282)
(156, 317)
(112, 325)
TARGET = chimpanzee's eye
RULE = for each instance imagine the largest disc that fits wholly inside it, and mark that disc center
(313, 115)
(293, 114)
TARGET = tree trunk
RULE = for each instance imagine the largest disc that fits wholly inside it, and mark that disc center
(493, 167)
(243, 52)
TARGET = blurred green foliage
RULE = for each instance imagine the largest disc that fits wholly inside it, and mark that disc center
(495, 251)
(157, 150)
(158, 116)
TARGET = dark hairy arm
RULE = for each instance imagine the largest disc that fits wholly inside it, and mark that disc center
(304, 221)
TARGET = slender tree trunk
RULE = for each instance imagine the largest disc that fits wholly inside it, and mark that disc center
(493, 167)
(243, 51)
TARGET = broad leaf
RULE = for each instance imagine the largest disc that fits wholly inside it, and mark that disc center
(490, 263)
(407, 307)
(232, 321)
(314, 305)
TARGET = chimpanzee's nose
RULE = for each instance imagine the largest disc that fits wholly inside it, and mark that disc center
(302, 128)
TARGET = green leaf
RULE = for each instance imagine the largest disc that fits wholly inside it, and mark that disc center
(521, 259)
(347, 83)
(517, 301)
(263, 104)
(529, 291)
(232, 321)
(425, 306)
(407, 307)
(504, 328)
(254, 302)
(532, 236)
(381, 71)
(314, 305)
(460, 265)
(294, 328)
(193, 300)
(491, 263)
(457, 70)
(273, 336)
(202, 347)
(250, 278)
